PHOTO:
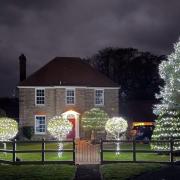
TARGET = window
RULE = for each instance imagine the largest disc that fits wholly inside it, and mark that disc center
(70, 96)
(99, 97)
(40, 96)
(40, 124)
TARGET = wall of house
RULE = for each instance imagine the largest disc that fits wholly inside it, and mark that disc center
(55, 104)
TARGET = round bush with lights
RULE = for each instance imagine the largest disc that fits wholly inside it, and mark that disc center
(59, 128)
(8, 129)
(116, 126)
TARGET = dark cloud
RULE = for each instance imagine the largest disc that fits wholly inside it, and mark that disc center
(44, 29)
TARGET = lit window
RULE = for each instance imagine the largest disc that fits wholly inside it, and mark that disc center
(40, 124)
(40, 96)
(70, 96)
(99, 97)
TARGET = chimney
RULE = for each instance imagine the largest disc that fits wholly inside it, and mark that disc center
(22, 67)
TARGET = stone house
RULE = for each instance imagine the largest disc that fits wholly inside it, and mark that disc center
(65, 86)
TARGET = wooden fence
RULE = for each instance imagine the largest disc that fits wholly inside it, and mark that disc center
(43, 150)
(134, 151)
(74, 153)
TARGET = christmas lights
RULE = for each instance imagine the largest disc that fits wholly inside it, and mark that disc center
(95, 119)
(59, 128)
(168, 111)
(116, 126)
(8, 129)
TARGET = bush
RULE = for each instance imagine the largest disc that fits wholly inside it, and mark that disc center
(28, 131)
(2, 113)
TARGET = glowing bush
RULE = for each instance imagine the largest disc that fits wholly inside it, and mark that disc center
(8, 128)
(59, 128)
(116, 126)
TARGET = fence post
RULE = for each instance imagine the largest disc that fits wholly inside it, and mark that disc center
(134, 150)
(74, 151)
(43, 150)
(101, 151)
(14, 150)
(171, 150)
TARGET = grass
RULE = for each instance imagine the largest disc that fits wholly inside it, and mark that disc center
(37, 172)
(122, 171)
(37, 156)
(128, 156)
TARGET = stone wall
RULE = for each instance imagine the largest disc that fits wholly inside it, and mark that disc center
(55, 104)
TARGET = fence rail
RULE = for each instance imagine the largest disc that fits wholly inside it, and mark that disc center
(134, 151)
(42, 150)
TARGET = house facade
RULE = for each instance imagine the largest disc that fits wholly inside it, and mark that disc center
(67, 87)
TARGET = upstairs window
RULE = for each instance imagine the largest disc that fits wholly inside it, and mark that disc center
(40, 96)
(40, 124)
(70, 96)
(99, 97)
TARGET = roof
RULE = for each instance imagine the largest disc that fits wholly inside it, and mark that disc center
(68, 71)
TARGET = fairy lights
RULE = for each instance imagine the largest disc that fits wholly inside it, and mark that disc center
(168, 111)
(8, 129)
(116, 126)
(59, 128)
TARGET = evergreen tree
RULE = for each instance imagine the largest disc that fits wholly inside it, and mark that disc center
(168, 110)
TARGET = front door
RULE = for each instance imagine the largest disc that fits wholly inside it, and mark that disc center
(71, 134)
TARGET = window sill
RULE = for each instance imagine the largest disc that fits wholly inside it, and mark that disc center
(36, 133)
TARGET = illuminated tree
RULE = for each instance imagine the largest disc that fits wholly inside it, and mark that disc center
(116, 126)
(8, 129)
(59, 128)
(168, 110)
(94, 120)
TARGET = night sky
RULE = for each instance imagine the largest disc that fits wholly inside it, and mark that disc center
(43, 29)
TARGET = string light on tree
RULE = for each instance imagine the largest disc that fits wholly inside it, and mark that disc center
(59, 128)
(168, 110)
(116, 126)
(8, 129)
(94, 120)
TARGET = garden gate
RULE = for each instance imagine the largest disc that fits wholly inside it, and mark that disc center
(87, 153)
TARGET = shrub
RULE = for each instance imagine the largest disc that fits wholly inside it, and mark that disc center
(28, 131)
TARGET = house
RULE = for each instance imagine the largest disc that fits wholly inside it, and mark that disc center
(65, 86)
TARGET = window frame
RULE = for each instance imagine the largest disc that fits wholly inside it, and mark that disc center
(39, 96)
(70, 89)
(96, 97)
(36, 132)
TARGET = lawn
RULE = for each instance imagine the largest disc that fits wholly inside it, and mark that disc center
(37, 156)
(128, 156)
(108, 156)
(37, 172)
(122, 171)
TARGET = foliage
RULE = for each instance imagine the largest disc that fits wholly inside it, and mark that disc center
(94, 119)
(168, 110)
(59, 127)
(2, 113)
(8, 128)
(116, 126)
(136, 72)
(28, 131)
